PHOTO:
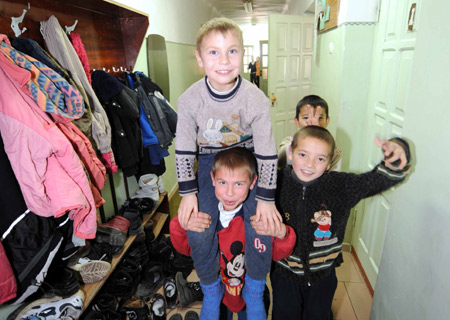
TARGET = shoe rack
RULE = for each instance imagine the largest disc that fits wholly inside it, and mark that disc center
(160, 216)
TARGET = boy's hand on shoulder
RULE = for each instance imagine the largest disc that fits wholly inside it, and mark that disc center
(188, 206)
(199, 222)
(392, 152)
(268, 214)
(259, 228)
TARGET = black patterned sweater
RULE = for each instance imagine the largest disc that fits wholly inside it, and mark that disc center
(209, 121)
(318, 211)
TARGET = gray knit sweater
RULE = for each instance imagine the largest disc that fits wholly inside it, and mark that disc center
(208, 123)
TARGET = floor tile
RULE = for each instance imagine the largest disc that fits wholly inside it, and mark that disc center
(360, 298)
(348, 271)
(342, 307)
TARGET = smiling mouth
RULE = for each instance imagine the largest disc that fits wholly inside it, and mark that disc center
(223, 71)
(307, 173)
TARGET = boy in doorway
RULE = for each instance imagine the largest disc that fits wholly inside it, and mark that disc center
(217, 112)
(311, 110)
(317, 204)
(233, 175)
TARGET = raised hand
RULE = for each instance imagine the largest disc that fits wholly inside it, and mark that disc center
(392, 152)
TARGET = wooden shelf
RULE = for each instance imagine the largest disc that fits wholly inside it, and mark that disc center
(159, 220)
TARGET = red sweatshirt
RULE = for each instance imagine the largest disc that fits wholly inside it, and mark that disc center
(231, 245)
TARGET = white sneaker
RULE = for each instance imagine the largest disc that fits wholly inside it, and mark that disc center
(53, 308)
(91, 271)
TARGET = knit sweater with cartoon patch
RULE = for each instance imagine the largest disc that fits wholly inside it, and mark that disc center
(318, 211)
(209, 122)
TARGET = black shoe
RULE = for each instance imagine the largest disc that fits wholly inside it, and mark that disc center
(102, 315)
(105, 301)
(176, 316)
(120, 285)
(132, 267)
(170, 292)
(179, 262)
(138, 251)
(143, 205)
(135, 219)
(135, 309)
(191, 315)
(63, 284)
(188, 292)
(160, 252)
(158, 307)
(101, 251)
(152, 280)
(149, 234)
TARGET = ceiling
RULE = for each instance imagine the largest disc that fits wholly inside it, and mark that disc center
(234, 9)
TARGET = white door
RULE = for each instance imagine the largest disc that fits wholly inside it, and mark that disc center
(291, 40)
(387, 113)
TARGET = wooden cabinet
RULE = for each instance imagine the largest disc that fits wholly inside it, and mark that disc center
(111, 33)
(160, 216)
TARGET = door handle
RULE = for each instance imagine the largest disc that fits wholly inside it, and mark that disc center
(274, 99)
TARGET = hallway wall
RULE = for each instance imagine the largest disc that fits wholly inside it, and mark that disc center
(413, 278)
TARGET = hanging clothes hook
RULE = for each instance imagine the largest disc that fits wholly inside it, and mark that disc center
(71, 28)
(15, 21)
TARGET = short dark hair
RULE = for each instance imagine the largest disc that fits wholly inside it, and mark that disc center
(235, 158)
(314, 101)
(314, 132)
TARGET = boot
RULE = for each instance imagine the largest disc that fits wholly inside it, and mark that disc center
(148, 184)
(188, 292)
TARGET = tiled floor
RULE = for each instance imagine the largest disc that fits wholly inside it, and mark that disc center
(352, 300)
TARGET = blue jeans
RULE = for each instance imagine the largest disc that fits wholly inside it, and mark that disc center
(205, 245)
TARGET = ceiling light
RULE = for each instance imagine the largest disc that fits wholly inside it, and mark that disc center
(248, 6)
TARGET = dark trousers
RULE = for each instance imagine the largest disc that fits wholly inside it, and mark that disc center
(257, 81)
(205, 245)
(294, 301)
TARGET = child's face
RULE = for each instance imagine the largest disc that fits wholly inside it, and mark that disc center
(232, 186)
(221, 58)
(310, 158)
(307, 113)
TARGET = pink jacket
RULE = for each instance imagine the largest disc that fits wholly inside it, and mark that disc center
(49, 171)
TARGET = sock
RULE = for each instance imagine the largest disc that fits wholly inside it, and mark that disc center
(213, 294)
(253, 294)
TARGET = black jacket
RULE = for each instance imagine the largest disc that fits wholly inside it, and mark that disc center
(318, 211)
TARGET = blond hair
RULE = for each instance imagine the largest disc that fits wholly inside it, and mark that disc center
(222, 25)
